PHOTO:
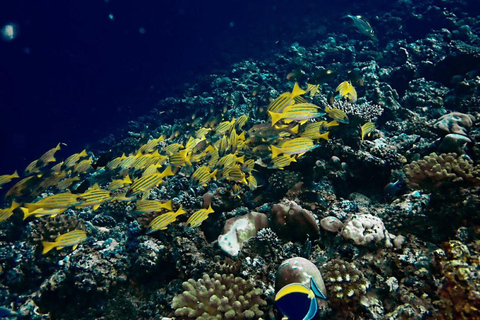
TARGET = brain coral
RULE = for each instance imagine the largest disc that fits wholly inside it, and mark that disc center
(435, 171)
(219, 297)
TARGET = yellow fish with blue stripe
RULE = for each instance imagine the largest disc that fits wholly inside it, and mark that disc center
(42, 212)
(148, 182)
(203, 175)
(153, 205)
(285, 99)
(69, 239)
(94, 197)
(74, 158)
(198, 217)
(60, 200)
(164, 220)
(338, 115)
(282, 161)
(293, 146)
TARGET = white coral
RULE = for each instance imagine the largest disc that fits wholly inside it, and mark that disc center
(365, 228)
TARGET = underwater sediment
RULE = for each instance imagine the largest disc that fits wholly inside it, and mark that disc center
(369, 171)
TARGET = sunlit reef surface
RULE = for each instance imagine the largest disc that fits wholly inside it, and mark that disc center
(390, 222)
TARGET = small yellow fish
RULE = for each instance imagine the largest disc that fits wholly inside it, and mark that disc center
(241, 121)
(153, 205)
(294, 146)
(7, 212)
(115, 163)
(224, 126)
(61, 200)
(162, 221)
(145, 183)
(297, 112)
(66, 183)
(202, 132)
(48, 156)
(41, 212)
(347, 91)
(32, 167)
(74, 158)
(252, 182)
(202, 175)
(69, 239)
(7, 178)
(282, 161)
(234, 173)
(83, 166)
(313, 89)
(198, 217)
(173, 148)
(181, 158)
(93, 197)
(337, 114)
(367, 129)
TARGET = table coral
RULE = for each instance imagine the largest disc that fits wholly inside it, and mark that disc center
(219, 297)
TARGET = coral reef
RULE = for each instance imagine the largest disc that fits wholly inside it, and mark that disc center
(219, 297)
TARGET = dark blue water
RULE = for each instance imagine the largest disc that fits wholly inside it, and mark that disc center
(78, 71)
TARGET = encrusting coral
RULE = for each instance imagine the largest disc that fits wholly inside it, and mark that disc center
(219, 297)
(435, 171)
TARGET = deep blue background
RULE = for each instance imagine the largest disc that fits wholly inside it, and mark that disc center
(74, 76)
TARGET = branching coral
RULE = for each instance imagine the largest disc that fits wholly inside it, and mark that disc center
(435, 171)
(345, 283)
(219, 297)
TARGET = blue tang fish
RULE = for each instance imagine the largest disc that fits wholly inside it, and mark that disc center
(297, 302)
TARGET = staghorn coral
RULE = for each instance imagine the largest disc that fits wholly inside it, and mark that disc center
(219, 297)
(345, 283)
(435, 171)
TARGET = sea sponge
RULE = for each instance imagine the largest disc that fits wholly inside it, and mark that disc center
(345, 284)
(219, 297)
(435, 171)
(365, 228)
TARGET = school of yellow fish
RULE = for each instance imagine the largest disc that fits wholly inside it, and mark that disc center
(224, 152)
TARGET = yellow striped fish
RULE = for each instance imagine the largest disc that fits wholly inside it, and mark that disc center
(162, 221)
(20, 186)
(313, 89)
(248, 165)
(282, 161)
(297, 112)
(74, 158)
(66, 183)
(252, 182)
(367, 129)
(48, 156)
(61, 200)
(94, 197)
(145, 183)
(69, 239)
(202, 176)
(115, 163)
(337, 114)
(198, 217)
(224, 126)
(202, 132)
(6, 178)
(294, 146)
(241, 121)
(7, 212)
(32, 167)
(173, 148)
(41, 212)
(347, 91)
(153, 205)
(234, 173)
(285, 99)
(83, 166)
(181, 158)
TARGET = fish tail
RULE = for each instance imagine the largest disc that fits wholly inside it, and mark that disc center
(26, 213)
(275, 117)
(324, 136)
(47, 246)
(83, 153)
(275, 151)
(297, 91)
(167, 172)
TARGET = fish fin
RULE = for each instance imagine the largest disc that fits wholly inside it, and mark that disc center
(324, 136)
(303, 122)
(75, 246)
(15, 175)
(59, 248)
(95, 207)
(295, 129)
(297, 91)
(275, 151)
(14, 205)
(26, 213)
(316, 290)
(47, 246)
(275, 117)
(167, 172)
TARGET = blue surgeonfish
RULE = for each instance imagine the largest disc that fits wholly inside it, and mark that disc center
(297, 302)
